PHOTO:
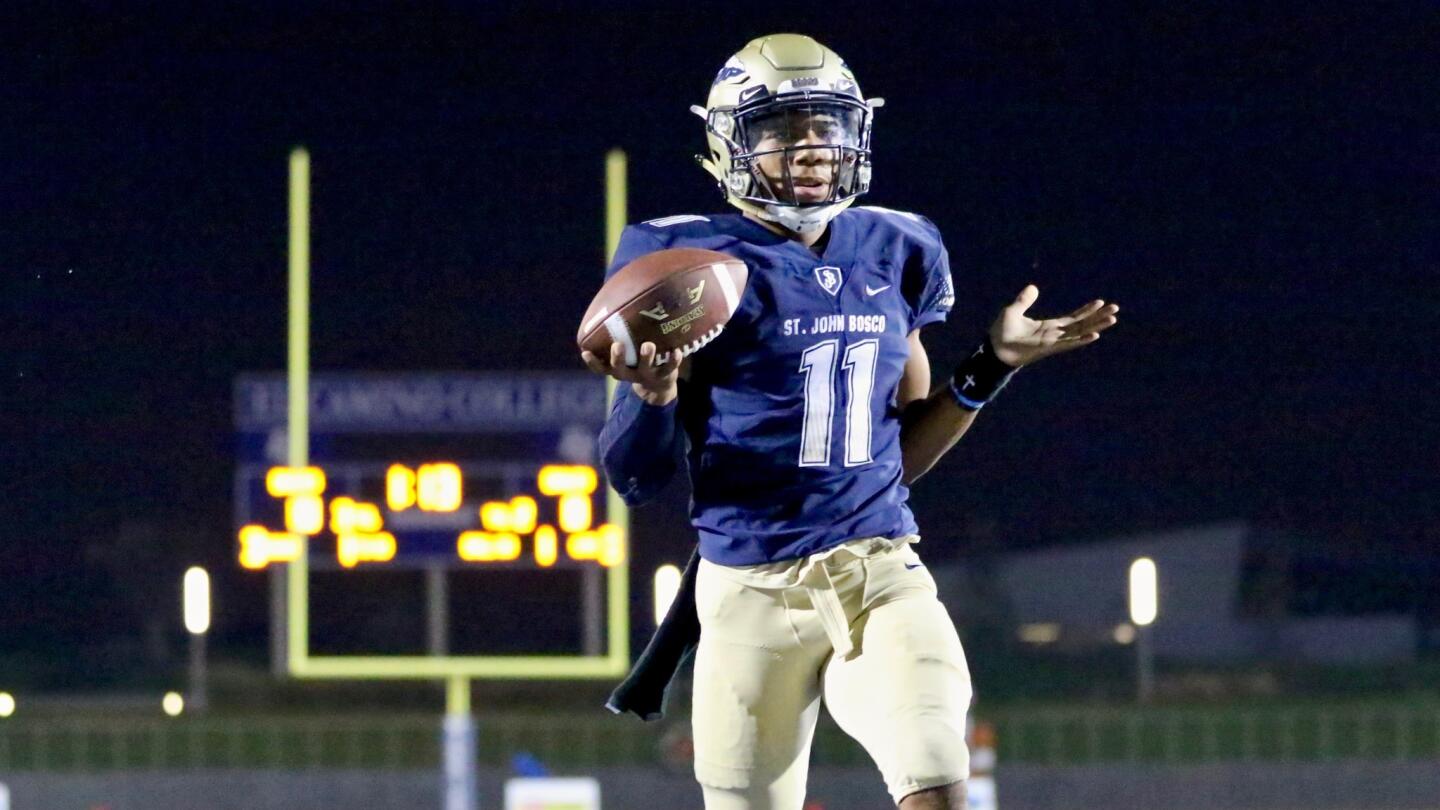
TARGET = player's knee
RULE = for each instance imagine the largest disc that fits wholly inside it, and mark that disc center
(926, 763)
(752, 790)
(940, 797)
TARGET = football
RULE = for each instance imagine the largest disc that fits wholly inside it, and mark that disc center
(679, 298)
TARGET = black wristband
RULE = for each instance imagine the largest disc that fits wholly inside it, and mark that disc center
(979, 378)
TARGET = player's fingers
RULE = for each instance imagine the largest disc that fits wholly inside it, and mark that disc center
(647, 356)
(1086, 310)
(1076, 342)
(1070, 344)
(669, 367)
(1104, 323)
(594, 363)
(661, 361)
(618, 369)
(1092, 324)
(654, 365)
(617, 356)
(1025, 299)
(1099, 320)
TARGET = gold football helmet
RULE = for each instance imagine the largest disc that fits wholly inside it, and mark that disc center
(789, 132)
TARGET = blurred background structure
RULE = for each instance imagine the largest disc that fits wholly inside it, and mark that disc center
(1256, 185)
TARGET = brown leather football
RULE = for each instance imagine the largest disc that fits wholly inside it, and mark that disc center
(679, 298)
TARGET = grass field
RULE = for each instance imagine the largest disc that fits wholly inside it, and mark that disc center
(1399, 730)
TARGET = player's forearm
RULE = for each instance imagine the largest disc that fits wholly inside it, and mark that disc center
(929, 428)
(639, 444)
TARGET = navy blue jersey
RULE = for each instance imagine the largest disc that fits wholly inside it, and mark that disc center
(791, 416)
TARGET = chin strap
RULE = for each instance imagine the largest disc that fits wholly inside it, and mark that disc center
(803, 219)
(808, 219)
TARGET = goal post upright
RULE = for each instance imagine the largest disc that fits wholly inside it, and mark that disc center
(297, 579)
(616, 214)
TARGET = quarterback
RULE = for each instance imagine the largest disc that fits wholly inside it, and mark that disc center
(802, 426)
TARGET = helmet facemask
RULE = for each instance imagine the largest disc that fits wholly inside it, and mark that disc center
(798, 157)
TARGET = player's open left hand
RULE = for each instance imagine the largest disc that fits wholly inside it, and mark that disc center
(1020, 340)
(656, 384)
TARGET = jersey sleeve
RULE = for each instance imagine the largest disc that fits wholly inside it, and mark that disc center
(640, 443)
(640, 446)
(928, 287)
(635, 241)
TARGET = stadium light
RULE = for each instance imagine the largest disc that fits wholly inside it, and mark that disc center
(197, 600)
(1144, 607)
(667, 584)
(7, 704)
(1040, 632)
(197, 621)
(173, 703)
(1144, 595)
(1124, 633)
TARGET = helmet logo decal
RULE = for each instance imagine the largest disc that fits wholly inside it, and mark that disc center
(733, 67)
(829, 278)
(728, 72)
(752, 93)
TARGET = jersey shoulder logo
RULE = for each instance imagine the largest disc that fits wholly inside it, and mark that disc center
(829, 278)
(947, 292)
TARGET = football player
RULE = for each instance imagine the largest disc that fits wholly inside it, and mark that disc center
(802, 425)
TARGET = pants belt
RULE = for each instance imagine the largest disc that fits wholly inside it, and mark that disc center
(821, 590)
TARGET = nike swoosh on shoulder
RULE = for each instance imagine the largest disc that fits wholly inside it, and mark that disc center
(876, 290)
(909, 567)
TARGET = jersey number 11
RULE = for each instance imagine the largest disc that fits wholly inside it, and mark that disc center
(818, 365)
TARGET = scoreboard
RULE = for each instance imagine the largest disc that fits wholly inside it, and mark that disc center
(464, 513)
(419, 470)
(472, 512)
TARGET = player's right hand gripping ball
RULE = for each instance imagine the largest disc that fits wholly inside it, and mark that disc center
(680, 298)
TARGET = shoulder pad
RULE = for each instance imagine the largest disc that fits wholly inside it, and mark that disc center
(892, 212)
(678, 219)
(915, 226)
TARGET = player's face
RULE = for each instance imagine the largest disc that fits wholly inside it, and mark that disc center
(800, 151)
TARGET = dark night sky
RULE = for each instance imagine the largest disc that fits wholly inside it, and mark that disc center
(1256, 187)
